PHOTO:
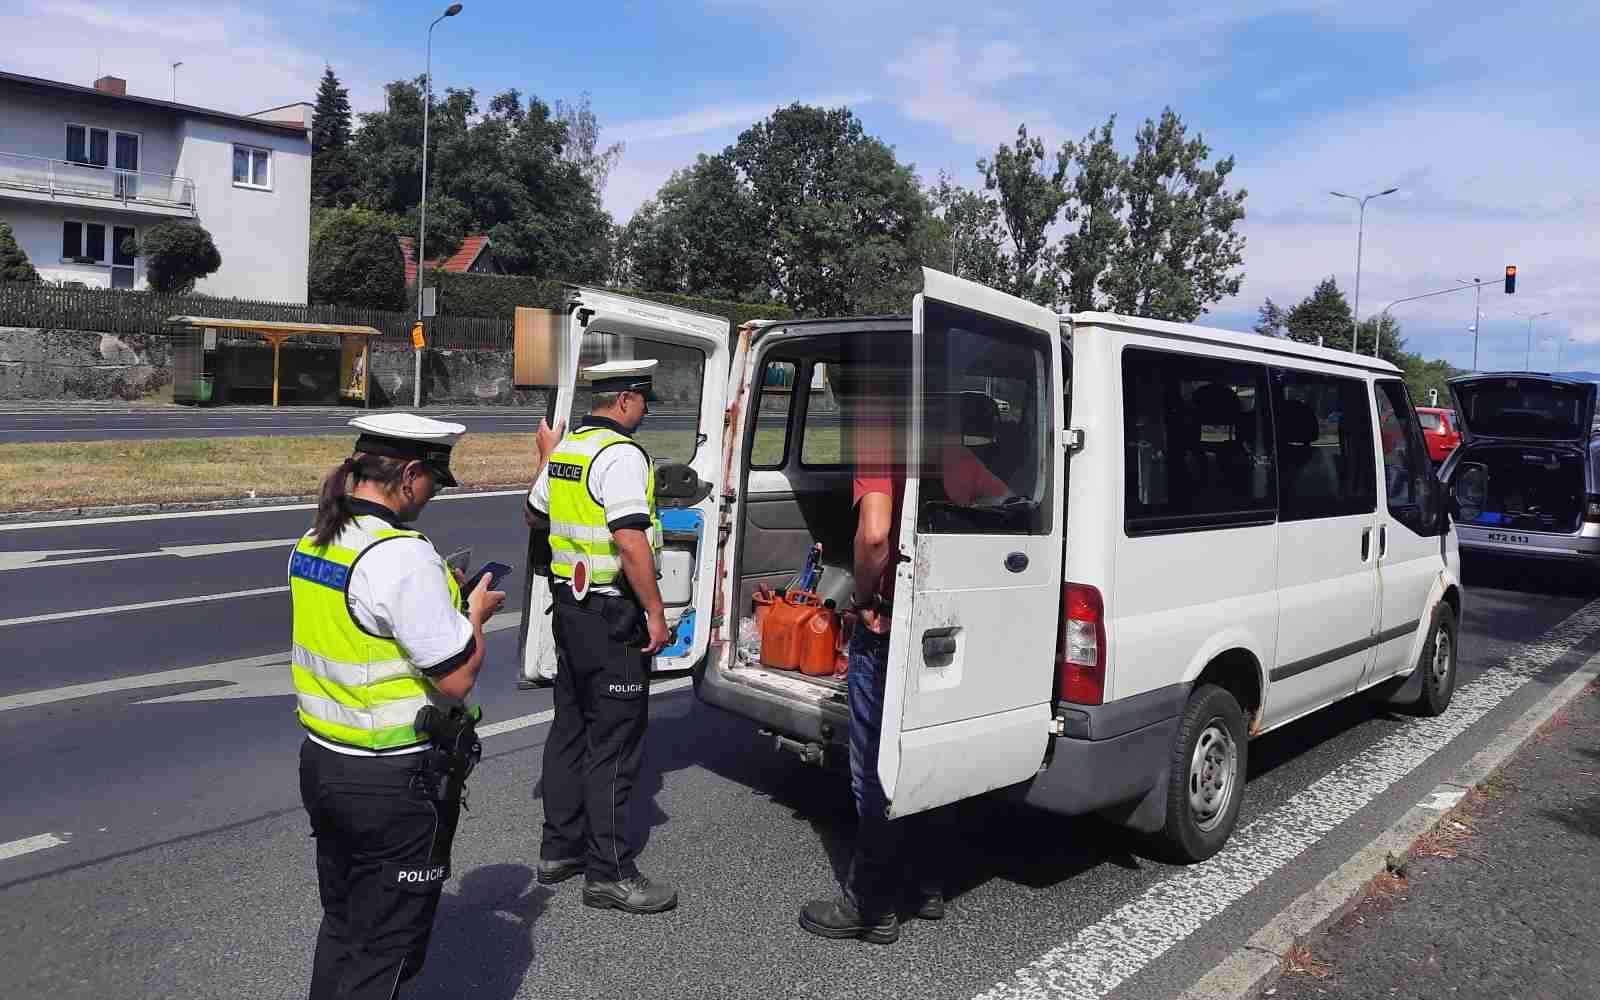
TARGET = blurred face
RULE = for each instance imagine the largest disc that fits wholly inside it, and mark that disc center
(417, 487)
(634, 408)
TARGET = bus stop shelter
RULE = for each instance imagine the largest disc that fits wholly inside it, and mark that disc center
(196, 335)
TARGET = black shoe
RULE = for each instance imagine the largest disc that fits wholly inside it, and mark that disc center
(558, 871)
(932, 906)
(838, 918)
(630, 895)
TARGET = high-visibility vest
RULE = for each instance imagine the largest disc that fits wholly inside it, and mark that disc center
(577, 519)
(352, 687)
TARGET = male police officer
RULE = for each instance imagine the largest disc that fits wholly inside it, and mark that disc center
(596, 498)
(383, 658)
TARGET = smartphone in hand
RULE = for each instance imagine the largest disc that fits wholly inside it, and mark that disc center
(493, 570)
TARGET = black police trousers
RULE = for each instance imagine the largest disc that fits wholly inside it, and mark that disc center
(596, 741)
(383, 855)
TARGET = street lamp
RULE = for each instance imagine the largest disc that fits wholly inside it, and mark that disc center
(1527, 358)
(1355, 333)
(422, 225)
(1477, 315)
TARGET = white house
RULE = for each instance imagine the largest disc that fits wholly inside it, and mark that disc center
(84, 168)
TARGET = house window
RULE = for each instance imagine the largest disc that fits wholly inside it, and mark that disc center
(90, 146)
(252, 167)
(83, 242)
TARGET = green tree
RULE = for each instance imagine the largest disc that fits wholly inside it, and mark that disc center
(504, 167)
(14, 263)
(972, 233)
(1032, 197)
(1098, 199)
(839, 214)
(1180, 248)
(176, 255)
(356, 261)
(1323, 317)
(582, 149)
(334, 181)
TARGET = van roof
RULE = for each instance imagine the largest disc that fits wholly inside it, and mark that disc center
(1231, 338)
(1181, 331)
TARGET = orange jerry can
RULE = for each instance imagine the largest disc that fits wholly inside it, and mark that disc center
(798, 633)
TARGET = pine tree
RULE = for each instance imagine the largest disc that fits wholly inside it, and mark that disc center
(14, 264)
(333, 177)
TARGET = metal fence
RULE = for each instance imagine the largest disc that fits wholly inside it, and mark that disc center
(102, 310)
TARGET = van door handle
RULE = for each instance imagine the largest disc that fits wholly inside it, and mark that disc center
(936, 644)
(1383, 540)
(1366, 543)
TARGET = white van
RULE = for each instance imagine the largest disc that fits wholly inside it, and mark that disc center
(1206, 535)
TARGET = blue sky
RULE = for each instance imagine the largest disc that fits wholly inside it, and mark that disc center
(1486, 116)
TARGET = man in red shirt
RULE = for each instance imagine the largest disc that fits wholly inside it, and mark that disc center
(869, 908)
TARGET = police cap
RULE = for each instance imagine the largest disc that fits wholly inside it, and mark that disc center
(623, 376)
(412, 437)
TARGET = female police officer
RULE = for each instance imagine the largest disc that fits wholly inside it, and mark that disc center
(379, 636)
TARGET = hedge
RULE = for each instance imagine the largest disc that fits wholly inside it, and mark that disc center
(496, 296)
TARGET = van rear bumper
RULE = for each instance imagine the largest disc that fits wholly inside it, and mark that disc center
(788, 716)
(1113, 755)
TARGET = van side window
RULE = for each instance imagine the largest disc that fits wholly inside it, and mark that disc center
(1324, 427)
(1409, 484)
(986, 463)
(1198, 443)
(820, 435)
(774, 393)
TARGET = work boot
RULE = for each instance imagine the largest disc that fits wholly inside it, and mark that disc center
(931, 905)
(839, 918)
(556, 871)
(634, 894)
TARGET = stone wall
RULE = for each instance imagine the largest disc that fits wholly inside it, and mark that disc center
(71, 364)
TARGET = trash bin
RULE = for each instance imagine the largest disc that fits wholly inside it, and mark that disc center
(203, 388)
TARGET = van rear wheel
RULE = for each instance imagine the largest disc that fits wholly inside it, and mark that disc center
(1206, 782)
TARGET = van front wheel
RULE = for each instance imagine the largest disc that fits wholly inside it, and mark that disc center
(1209, 759)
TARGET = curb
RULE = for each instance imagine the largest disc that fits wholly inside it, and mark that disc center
(136, 509)
(1253, 968)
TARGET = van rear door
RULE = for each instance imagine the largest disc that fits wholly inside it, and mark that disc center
(978, 586)
(684, 429)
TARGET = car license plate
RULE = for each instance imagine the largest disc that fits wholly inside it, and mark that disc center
(1500, 536)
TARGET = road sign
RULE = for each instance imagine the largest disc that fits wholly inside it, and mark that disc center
(430, 303)
(416, 337)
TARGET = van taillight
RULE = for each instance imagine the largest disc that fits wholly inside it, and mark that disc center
(1591, 509)
(1081, 656)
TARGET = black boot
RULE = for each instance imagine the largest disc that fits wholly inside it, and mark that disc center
(839, 918)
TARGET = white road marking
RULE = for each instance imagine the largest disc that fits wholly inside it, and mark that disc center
(61, 616)
(37, 559)
(81, 522)
(1103, 956)
(27, 845)
(245, 673)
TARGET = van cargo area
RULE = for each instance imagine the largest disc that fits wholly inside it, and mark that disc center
(1525, 488)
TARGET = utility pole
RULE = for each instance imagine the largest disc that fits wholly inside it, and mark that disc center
(175, 80)
(1355, 315)
(422, 225)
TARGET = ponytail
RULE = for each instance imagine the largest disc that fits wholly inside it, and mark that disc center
(332, 515)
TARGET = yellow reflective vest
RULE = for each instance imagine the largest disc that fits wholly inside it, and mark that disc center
(352, 687)
(578, 524)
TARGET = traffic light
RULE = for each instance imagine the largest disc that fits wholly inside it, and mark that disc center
(1511, 279)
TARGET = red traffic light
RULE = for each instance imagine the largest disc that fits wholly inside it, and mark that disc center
(1511, 279)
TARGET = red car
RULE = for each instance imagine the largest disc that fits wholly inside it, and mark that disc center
(1441, 429)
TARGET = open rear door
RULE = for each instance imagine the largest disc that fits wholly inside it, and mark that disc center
(683, 434)
(978, 587)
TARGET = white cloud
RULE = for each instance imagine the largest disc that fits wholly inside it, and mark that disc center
(718, 116)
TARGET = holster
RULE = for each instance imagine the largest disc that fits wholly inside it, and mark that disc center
(456, 750)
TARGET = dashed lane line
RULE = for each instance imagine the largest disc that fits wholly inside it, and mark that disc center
(81, 522)
(61, 616)
(27, 845)
(1100, 958)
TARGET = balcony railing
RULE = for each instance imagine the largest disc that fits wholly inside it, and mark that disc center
(63, 177)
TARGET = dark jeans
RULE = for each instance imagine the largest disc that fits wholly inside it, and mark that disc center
(383, 855)
(886, 851)
(596, 742)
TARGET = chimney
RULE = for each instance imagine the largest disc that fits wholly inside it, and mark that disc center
(112, 85)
